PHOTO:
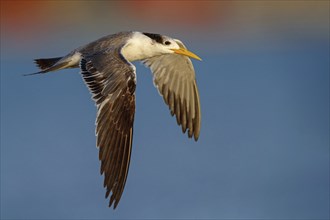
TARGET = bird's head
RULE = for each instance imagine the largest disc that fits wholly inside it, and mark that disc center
(146, 45)
(168, 45)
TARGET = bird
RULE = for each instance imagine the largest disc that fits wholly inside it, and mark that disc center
(107, 70)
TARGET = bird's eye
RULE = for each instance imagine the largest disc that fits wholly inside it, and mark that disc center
(167, 43)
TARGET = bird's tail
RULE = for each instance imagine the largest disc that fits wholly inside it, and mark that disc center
(52, 64)
(48, 64)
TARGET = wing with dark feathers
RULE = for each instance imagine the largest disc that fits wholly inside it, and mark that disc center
(111, 80)
(174, 76)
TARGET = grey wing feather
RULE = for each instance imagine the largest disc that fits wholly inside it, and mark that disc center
(111, 80)
(174, 76)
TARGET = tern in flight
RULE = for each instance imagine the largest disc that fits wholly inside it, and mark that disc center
(107, 69)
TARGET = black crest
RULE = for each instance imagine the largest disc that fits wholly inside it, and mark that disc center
(156, 37)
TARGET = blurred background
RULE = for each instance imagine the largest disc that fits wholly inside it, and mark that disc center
(264, 88)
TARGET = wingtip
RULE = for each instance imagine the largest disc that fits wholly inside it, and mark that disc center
(196, 136)
(112, 198)
(196, 139)
(114, 202)
(115, 205)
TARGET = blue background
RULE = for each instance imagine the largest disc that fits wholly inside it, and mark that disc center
(263, 151)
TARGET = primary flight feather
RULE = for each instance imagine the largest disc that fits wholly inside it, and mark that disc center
(107, 70)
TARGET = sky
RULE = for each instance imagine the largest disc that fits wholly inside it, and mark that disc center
(263, 150)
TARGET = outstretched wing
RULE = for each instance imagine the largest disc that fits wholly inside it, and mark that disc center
(174, 76)
(111, 80)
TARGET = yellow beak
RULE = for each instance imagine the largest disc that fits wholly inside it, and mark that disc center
(187, 53)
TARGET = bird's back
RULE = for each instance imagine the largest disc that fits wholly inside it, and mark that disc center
(109, 42)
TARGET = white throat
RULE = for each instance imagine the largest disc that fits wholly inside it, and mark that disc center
(137, 48)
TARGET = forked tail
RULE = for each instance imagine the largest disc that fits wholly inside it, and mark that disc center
(48, 64)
